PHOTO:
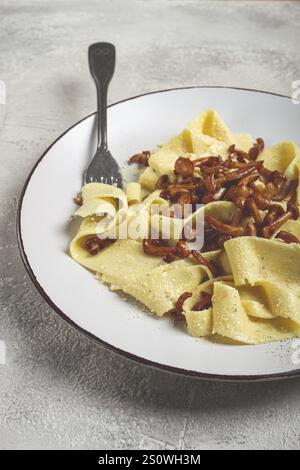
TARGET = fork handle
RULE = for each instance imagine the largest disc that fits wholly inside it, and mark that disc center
(102, 58)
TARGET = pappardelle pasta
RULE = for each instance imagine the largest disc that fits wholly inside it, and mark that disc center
(243, 283)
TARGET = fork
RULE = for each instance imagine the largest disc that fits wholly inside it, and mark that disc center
(103, 168)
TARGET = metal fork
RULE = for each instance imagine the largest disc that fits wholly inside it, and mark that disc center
(103, 168)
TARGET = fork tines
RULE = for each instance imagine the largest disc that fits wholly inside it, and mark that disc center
(109, 180)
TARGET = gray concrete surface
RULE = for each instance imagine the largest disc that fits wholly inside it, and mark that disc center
(57, 388)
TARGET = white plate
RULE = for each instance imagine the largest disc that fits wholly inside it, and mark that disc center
(44, 234)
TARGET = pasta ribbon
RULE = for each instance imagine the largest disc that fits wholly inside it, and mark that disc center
(243, 283)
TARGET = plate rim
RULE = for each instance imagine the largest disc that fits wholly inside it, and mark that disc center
(138, 359)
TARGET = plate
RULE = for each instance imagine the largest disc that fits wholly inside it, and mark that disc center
(44, 231)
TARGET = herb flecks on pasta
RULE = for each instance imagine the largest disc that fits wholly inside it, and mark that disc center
(244, 283)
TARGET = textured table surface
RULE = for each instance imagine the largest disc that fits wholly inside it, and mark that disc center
(57, 388)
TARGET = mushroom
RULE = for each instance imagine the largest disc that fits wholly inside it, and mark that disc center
(141, 158)
(291, 193)
(291, 213)
(221, 227)
(287, 237)
(94, 244)
(156, 247)
(202, 260)
(252, 206)
(162, 182)
(184, 167)
(204, 302)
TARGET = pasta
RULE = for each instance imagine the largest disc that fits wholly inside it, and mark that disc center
(230, 266)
